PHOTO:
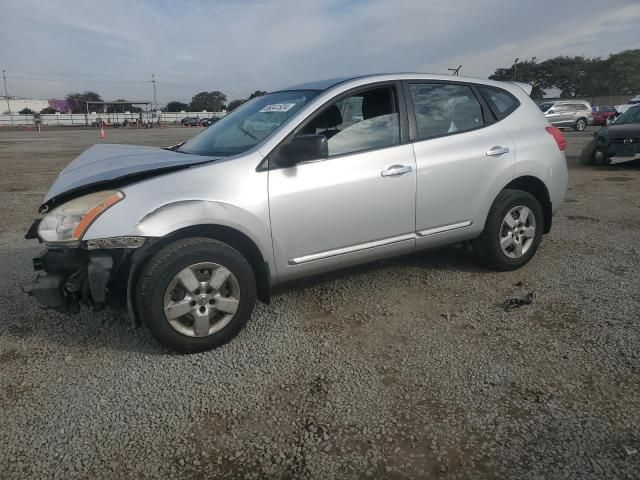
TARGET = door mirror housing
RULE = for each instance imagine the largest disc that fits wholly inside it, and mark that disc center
(302, 148)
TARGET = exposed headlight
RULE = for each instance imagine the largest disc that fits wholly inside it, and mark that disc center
(69, 221)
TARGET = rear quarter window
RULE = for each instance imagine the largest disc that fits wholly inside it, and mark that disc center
(501, 102)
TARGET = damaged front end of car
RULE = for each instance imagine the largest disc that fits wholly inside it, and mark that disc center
(92, 273)
(70, 271)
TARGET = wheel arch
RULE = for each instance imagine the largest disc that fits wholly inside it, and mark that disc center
(228, 235)
(538, 189)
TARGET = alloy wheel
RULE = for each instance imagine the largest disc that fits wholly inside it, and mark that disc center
(201, 299)
(517, 232)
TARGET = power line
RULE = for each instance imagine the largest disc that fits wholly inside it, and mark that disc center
(76, 81)
(69, 74)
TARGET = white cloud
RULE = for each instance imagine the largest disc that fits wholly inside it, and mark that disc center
(238, 47)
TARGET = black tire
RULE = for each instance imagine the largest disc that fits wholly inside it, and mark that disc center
(580, 125)
(487, 246)
(600, 156)
(586, 157)
(165, 265)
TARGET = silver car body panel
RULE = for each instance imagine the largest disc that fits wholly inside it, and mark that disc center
(340, 205)
(318, 216)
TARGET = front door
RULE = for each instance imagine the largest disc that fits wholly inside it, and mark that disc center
(356, 205)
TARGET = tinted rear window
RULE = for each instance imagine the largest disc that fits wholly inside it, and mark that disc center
(501, 102)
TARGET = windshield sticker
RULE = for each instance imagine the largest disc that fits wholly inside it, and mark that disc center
(278, 107)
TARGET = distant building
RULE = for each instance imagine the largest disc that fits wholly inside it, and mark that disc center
(58, 105)
(17, 104)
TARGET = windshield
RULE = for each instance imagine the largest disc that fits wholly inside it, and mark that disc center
(630, 116)
(248, 125)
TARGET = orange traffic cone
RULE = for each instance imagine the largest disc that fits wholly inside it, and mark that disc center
(102, 135)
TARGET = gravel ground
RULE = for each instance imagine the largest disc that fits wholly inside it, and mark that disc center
(407, 368)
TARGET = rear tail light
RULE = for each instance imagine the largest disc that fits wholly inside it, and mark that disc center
(558, 136)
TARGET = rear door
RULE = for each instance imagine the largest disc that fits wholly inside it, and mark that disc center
(461, 152)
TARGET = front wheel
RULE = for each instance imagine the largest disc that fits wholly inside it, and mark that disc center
(196, 294)
(581, 124)
(512, 232)
(600, 156)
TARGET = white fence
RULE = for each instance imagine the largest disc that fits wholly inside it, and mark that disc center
(81, 119)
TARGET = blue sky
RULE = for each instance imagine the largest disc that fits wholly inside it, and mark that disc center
(50, 48)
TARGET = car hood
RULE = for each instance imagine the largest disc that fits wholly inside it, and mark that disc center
(112, 166)
(628, 130)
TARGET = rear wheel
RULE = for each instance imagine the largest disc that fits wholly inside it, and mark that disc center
(512, 232)
(196, 294)
(580, 125)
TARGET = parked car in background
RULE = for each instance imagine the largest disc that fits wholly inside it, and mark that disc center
(206, 122)
(624, 107)
(295, 183)
(574, 114)
(603, 115)
(615, 143)
(190, 122)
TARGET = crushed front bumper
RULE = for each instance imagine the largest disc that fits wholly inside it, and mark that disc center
(69, 277)
(93, 274)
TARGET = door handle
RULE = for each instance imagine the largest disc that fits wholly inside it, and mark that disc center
(497, 151)
(395, 170)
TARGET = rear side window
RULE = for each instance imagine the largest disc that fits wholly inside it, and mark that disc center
(501, 102)
(442, 108)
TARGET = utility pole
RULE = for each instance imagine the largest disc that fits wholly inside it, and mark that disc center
(6, 95)
(155, 92)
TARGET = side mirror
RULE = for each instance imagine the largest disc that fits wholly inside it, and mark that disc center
(304, 147)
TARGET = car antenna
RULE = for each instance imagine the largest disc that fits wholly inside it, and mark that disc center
(455, 71)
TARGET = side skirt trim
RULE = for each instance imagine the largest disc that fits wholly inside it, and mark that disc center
(352, 249)
(444, 228)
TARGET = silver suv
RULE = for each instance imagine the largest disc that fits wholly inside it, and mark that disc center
(575, 114)
(294, 183)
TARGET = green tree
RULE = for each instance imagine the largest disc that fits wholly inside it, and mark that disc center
(26, 111)
(578, 75)
(527, 71)
(209, 101)
(233, 104)
(48, 111)
(624, 72)
(176, 106)
(257, 93)
(76, 101)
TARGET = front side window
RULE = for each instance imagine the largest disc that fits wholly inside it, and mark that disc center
(249, 124)
(441, 109)
(365, 120)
